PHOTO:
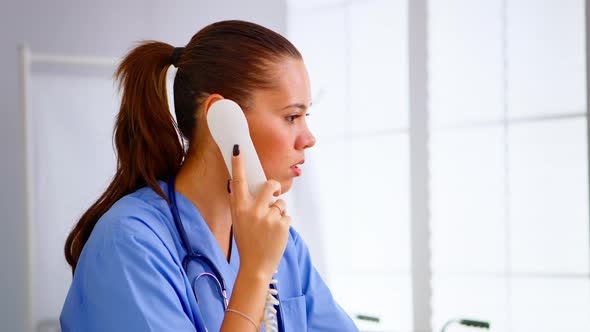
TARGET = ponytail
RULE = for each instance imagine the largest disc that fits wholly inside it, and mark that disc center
(147, 144)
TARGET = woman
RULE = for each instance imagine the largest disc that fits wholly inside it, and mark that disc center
(127, 252)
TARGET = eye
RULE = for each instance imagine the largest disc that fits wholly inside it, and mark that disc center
(291, 118)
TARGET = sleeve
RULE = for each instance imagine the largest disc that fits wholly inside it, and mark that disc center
(323, 313)
(127, 281)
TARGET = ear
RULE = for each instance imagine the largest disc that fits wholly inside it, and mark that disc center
(210, 100)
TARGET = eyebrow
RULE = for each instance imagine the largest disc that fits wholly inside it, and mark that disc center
(298, 105)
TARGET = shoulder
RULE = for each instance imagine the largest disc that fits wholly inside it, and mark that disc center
(295, 237)
(139, 220)
(297, 246)
(141, 212)
(131, 239)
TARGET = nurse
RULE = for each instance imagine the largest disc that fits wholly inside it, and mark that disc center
(126, 252)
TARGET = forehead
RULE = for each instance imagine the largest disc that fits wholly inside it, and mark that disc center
(291, 85)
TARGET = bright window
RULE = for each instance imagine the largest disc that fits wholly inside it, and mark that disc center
(507, 157)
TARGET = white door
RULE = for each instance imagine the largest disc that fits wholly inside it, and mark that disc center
(72, 114)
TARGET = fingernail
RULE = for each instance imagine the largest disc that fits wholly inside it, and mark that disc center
(228, 189)
(236, 149)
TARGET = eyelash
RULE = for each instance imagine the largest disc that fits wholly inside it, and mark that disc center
(295, 117)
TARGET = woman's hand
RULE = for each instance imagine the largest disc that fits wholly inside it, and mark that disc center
(261, 230)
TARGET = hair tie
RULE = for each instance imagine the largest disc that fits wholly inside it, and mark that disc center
(176, 55)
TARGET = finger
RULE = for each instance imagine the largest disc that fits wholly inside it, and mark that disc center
(286, 220)
(231, 196)
(269, 188)
(239, 186)
(280, 205)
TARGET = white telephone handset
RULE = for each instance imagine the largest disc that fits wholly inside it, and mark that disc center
(228, 126)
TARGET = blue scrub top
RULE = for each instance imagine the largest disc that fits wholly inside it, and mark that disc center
(130, 278)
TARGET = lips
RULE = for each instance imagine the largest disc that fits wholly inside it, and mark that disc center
(295, 168)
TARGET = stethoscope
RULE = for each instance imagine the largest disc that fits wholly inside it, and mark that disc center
(193, 256)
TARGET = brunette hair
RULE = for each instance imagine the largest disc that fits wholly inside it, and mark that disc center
(232, 58)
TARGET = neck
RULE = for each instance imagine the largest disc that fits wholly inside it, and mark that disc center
(203, 182)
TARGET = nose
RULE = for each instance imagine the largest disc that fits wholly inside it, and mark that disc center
(305, 140)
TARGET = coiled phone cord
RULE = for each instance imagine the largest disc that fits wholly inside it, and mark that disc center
(270, 312)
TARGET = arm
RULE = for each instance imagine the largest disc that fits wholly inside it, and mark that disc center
(248, 297)
(261, 234)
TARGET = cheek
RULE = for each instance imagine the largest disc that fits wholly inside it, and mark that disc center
(272, 147)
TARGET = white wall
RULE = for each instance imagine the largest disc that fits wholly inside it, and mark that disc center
(106, 28)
